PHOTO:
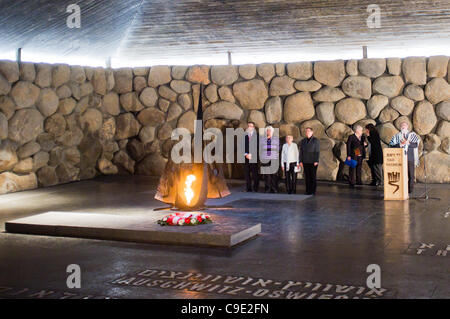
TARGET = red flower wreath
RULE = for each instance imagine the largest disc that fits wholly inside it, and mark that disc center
(185, 219)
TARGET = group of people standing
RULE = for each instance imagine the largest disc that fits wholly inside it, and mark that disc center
(292, 158)
(306, 155)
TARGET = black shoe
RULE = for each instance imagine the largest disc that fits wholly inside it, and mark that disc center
(351, 185)
(373, 184)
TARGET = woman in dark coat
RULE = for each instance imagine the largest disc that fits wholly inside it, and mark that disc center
(375, 156)
(356, 150)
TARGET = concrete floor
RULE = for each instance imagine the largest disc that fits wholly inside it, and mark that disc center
(323, 242)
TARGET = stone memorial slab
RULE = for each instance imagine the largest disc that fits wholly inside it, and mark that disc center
(225, 231)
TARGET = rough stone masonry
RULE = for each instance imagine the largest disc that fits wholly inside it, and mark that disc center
(61, 123)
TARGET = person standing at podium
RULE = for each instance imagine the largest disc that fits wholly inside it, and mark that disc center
(409, 141)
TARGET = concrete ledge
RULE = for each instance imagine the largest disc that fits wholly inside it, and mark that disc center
(225, 231)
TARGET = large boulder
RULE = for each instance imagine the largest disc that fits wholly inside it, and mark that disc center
(266, 71)
(226, 94)
(77, 74)
(55, 124)
(328, 163)
(350, 110)
(298, 108)
(174, 112)
(10, 182)
(251, 94)
(43, 75)
(25, 166)
(445, 145)
(388, 115)
(130, 102)
(437, 66)
(99, 81)
(126, 126)
(25, 94)
(281, 85)
(438, 168)
(5, 86)
(211, 93)
(247, 71)
(48, 102)
(91, 120)
(187, 121)
(386, 131)
(339, 131)
(415, 70)
(25, 126)
(167, 93)
(111, 104)
(106, 167)
(437, 90)
(148, 96)
(10, 70)
(258, 118)
(123, 79)
(358, 86)
(224, 74)
(431, 142)
(7, 106)
(403, 105)
(66, 106)
(424, 118)
(372, 68)
(325, 113)
(151, 116)
(375, 104)
(307, 86)
(158, 75)
(27, 71)
(152, 165)
(328, 94)
(180, 86)
(8, 156)
(121, 158)
(443, 129)
(414, 92)
(394, 66)
(329, 72)
(47, 176)
(60, 75)
(273, 110)
(223, 110)
(351, 66)
(300, 70)
(388, 85)
(28, 150)
(443, 110)
(198, 74)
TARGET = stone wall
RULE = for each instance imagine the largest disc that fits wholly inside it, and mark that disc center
(61, 123)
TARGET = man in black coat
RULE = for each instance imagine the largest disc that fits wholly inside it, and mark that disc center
(251, 158)
(309, 154)
(356, 150)
(376, 155)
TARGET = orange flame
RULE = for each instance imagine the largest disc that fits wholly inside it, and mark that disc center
(188, 191)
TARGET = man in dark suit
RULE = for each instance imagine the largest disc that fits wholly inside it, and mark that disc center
(356, 150)
(251, 158)
(309, 159)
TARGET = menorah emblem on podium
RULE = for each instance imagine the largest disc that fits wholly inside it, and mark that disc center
(394, 179)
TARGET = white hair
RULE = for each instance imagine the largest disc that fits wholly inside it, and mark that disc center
(270, 128)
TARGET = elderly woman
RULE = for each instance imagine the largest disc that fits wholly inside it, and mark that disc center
(356, 150)
(269, 155)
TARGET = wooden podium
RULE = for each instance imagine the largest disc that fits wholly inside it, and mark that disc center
(395, 174)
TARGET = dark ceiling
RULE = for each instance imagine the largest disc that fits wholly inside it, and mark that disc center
(164, 30)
